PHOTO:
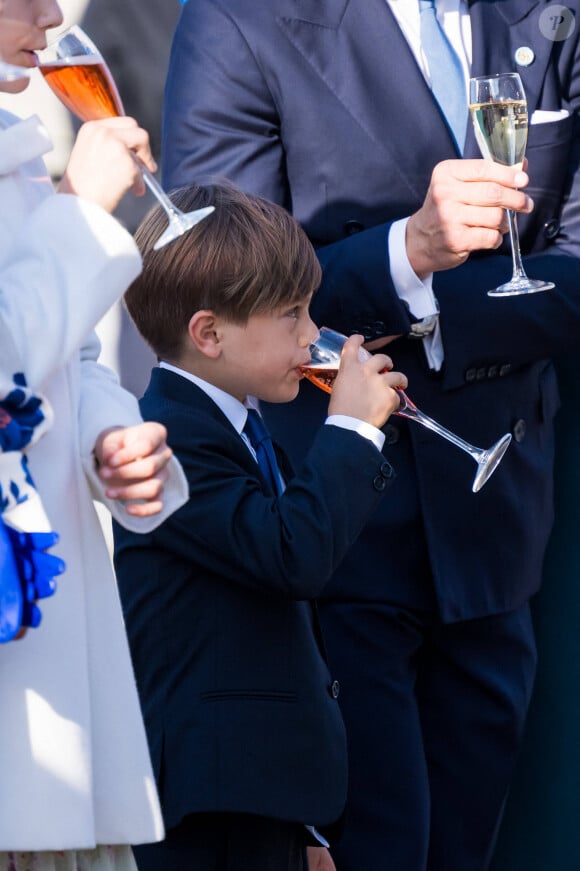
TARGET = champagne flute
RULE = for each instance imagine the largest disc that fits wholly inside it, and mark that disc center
(499, 112)
(75, 70)
(325, 354)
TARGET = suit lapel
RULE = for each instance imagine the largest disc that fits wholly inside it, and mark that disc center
(358, 51)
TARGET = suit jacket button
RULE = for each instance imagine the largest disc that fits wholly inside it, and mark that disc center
(470, 374)
(519, 430)
(351, 227)
(379, 483)
(335, 689)
(391, 438)
(505, 369)
(368, 332)
(551, 228)
(481, 373)
(493, 371)
(386, 470)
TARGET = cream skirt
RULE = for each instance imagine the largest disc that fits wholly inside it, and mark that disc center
(100, 859)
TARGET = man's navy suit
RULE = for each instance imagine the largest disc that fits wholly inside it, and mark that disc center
(240, 708)
(320, 105)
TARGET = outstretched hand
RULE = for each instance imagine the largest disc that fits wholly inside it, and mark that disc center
(133, 463)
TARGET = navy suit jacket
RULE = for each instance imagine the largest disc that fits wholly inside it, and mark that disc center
(239, 705)
(320, 106)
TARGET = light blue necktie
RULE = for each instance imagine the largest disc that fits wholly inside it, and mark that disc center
(261, 441)
(447, 81)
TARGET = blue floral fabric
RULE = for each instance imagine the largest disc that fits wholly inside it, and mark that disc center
(27, 571)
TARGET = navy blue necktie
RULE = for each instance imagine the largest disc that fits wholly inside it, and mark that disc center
(261, 442)
(447, 81)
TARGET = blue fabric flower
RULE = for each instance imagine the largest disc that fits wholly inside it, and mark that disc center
(21, 413)
(27, 573)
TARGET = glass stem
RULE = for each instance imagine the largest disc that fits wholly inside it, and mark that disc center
(518, 269)
(173, 214)
(411, 412)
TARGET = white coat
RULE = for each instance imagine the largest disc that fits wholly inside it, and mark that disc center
(74, 763)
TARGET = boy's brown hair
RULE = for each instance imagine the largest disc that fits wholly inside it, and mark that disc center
(248, 257)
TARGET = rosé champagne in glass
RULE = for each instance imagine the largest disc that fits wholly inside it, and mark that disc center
(76, 72)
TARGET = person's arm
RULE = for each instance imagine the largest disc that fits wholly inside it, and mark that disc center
(71, 260)
(66, 280)
(104, 407)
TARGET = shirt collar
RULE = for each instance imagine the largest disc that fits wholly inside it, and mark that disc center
(235, 411)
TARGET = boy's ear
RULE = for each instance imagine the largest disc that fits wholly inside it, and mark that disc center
(203, 333)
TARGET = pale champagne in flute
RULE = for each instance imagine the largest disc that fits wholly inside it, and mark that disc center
(499, 112)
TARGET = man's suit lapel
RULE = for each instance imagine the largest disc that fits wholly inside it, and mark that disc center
(359, 52)
(498, 30)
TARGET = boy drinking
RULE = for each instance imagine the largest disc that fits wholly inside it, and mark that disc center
(241, 709)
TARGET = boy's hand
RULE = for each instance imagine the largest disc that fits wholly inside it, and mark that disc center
(364, 388)
(132, 461)
(103, 166)
(319, 859)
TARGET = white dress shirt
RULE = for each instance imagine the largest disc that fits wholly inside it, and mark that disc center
(454, 18)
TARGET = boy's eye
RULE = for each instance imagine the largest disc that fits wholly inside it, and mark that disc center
(294, 312)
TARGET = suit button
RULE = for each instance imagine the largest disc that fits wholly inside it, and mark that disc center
(505, 369)
(386, 470)
(551, 228)
(391, 438)
(335, 689)
(481, 374)
(493, 371)
(379, 483)
(470, 374)
(519, 430)
(351, 227)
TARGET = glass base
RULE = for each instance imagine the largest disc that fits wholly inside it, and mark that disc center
(180, 223)
(520, 285)
(489, 461)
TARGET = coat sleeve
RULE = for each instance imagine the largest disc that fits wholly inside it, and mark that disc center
(57, 285)
(103, 403)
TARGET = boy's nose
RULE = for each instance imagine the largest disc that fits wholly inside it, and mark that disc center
(312, 333)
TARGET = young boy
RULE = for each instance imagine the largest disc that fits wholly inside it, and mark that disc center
(241, 710)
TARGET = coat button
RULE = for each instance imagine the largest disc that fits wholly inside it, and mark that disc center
(391, 438)
(519, 430)
(470, 375)
(335, 689)
(493, 371)
(551, 228)
(379, 483)
(481, 373)
(386, 470)
(351, 227)
(505, 369)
